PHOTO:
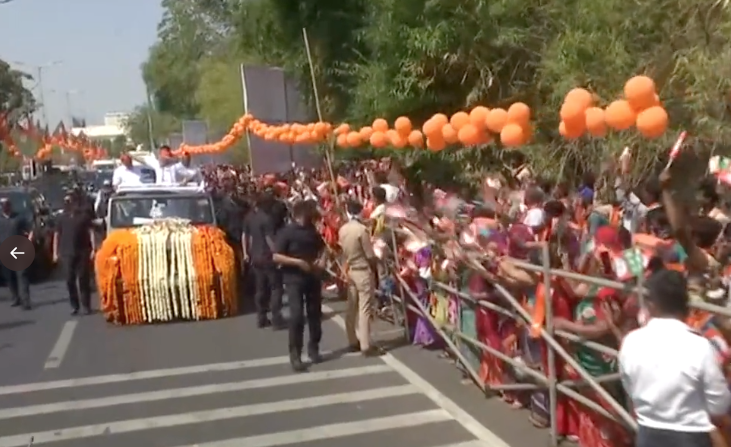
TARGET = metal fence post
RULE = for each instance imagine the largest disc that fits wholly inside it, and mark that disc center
(404, 304)
(552, 394)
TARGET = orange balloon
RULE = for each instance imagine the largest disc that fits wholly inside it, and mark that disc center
(496, 120)
(595, 123)
(342, 129)
(478, 116)
(416, 139)
(320, 128)
(449, 134)
(378, 139)
(380, 125)
(342, 140)
(354, 139)
(619, 115)
(484, 137)
(640, 92)
(571, 132)
(396, 139)
(573, 111)
(432, 127)
(440, 120)
(459, 120)
(652, 122)
(402, 125)
(435, 143)
(519, 113)
(366, 132)
(580, 96)
(469, 135)
(512, 135)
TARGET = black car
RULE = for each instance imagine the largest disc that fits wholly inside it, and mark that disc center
(29, 202)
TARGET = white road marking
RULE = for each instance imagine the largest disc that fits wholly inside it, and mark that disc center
(198, 417)
(62, 345)
(332, 431)
(475, 443)
(192, 391)
(145, 375)
(465, 419)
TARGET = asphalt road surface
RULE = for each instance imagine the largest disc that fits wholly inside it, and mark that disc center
(77, 381)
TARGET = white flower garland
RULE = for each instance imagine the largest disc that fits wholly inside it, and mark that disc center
(166, 272)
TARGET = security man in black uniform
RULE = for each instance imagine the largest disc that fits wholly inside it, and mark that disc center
(14, 224)
(258, 246)
(73, 246)
(298, 249)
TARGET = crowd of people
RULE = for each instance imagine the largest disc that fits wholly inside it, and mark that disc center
(672, 360)
(378, 230)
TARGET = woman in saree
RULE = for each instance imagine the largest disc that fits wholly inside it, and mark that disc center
(592, 322)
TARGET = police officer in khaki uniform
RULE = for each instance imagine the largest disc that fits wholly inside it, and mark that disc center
(361, 270)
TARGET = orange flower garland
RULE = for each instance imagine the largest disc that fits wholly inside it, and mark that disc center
(216, 272)
(214, 275)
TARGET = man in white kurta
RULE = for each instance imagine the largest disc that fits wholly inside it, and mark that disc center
(126, 174)
(164, 165)
(185, 174)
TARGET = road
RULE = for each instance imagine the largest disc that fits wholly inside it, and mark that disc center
(77, 381)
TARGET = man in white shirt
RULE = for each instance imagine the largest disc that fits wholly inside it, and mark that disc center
(535, 216)
(672, 373)
(392, 192)
(126, 174)
(164, 165)
(184, 174)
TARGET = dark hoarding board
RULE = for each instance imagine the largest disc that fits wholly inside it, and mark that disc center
(271, 98)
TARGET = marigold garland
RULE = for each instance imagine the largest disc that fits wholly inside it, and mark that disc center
(166, 271)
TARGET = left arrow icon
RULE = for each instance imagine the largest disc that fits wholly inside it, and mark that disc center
(13, 253)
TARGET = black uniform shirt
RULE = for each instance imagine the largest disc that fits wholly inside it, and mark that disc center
(258, 225)
(13, 225)
(301, 242)
(74, 237)
(278, 214)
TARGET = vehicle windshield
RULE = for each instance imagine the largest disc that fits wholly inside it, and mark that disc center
(101, 177)
(20, 201)
(135, 211)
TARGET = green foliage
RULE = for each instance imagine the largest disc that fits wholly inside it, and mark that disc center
(145, 124)
(386, 58)
(16, 101)
(219, 92)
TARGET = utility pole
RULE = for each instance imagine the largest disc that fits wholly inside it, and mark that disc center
(69, 109)
(39, 73)
(150, 110)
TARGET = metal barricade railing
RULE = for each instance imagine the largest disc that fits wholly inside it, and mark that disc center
(408, 300)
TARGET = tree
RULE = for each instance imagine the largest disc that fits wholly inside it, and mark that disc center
(16, 101)
(189, 31)
(386, 58)
(219, 92)
(145, 124)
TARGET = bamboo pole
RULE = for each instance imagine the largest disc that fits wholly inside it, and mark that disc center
(331, 143)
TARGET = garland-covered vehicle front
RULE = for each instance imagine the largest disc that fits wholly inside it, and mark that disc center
(163, 258)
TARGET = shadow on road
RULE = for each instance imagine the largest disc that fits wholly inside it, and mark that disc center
(15, 324)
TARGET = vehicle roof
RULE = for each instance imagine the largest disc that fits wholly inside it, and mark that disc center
(142, 194)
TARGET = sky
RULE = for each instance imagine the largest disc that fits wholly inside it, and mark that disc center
(97, 46)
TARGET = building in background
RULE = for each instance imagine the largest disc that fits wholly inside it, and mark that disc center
(112, 129)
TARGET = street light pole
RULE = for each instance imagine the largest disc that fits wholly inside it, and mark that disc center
(39, 70)
(69, 109)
